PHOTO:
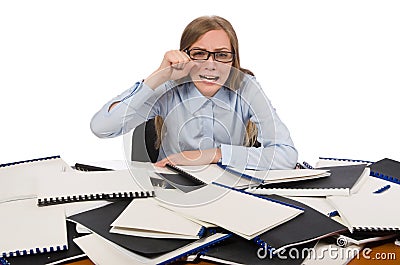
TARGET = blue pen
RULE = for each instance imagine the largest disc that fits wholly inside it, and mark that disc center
(384, 188)
(333, 214)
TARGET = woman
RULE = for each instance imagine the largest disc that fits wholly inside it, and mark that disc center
(207, 108)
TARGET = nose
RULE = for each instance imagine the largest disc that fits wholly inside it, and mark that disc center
(210, 63)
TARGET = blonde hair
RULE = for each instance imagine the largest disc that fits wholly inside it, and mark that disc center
(193, 31)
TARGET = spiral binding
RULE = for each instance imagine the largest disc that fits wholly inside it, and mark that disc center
(94, 197)
(346, 160)
(224, 167)
(32, 251)
(333, 214)
(384, 177)
(3, 261)
(261, 243)
(201, 232)
(184, 173)
(307, 165)
(29, 161)
(196, 250)
(383, 189)
(382, 229)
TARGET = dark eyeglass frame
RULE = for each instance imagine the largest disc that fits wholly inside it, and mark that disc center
(187, 51)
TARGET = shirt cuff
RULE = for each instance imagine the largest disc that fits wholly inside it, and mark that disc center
(228, 159)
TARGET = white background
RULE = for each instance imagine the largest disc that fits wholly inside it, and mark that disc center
(330, 68)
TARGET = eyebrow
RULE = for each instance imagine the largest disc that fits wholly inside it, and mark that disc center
(218, 49)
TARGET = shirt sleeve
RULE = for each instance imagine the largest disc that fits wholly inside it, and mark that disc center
(134, 106)
(277, 150)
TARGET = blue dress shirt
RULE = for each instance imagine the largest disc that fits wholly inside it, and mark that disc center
(195, 122)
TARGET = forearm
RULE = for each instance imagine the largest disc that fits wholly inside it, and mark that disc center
(119, 114)
(193, 157)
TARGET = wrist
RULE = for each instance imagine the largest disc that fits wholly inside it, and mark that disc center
(218, 155)
(155, 79)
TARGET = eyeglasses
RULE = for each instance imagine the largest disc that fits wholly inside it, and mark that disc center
(203, 55)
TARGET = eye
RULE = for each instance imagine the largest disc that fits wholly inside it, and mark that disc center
(199, 53)
(222, 55)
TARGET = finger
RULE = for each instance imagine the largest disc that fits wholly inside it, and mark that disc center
(161, 163)
(187, 66)
(176, 57)
(181, 59)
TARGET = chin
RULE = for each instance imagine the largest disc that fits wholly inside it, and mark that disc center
(207, 89)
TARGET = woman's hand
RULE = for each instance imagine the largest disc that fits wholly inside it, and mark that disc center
(192, 158)
(175, 65)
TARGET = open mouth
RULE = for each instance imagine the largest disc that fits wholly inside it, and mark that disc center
(209, 78)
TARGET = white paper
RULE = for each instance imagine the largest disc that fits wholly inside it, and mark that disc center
(25, 226)
(145, 215)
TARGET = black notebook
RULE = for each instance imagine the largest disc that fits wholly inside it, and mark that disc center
(344, 180)
(307, 227)
(387, 169)
(237, 250)
(99, 221)
(85, 167)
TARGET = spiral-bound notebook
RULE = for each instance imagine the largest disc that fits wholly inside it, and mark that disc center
(20, 177)
(369, 211)
(99, 222)
(344, 180)
(386, 169)
(190, 178)
(27, 229)
(73, 253)
(95, 185)
(236, 211)
(278, 175)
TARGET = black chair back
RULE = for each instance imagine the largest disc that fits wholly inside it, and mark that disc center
(143, 143)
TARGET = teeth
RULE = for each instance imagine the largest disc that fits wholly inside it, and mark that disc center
(209, 77)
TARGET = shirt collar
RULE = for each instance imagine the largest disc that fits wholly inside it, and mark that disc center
(223, 98)
(195, 100)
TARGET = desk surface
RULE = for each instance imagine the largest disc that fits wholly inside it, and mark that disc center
(387, 253)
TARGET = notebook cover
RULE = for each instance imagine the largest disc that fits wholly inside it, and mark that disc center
(73, 252)
(309, 226)
(28, 230)
(342, 177)
(21, 177)
(242, 251)
(99, 221)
